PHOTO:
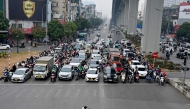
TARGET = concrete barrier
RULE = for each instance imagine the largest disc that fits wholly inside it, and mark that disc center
(176, 83)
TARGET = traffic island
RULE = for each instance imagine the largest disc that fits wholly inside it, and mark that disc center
(178, 84)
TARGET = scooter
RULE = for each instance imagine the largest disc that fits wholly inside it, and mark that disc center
(130, 78)
(53, 79)
(162, 81)
(5, 78)
(148, 79)
(83, 75)
(123, 77)
(137, 78)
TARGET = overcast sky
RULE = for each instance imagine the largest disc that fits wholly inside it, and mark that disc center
(105, 6)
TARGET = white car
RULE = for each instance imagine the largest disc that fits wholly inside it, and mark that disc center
(125, 51)
(92, 75)
(21, 75)
(95, 53)
(75, 62)
(124, 41)
(4, 46)
(134, 63)
(142, 70)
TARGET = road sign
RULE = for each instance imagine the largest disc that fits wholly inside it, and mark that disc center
(154, 55)
(139, 26)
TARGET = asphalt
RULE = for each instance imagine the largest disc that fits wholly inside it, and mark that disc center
(42, 94)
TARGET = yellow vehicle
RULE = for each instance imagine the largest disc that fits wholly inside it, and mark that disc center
(88, 48)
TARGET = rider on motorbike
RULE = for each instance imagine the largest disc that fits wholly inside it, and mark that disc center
(6, 73)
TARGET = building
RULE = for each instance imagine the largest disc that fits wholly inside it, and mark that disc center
(90, 10)
(171, 12)
(98, 14)
(59, 10)
(168, 3)
(72, 10)
(28, 14)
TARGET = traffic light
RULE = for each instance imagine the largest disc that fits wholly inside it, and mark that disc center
(185, 61)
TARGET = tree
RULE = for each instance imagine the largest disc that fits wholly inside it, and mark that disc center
(17, 32)
(82, 23)
(55, 29)
(38, 33)
(70, 28)
(4, 25)
(183, 31)
(164, 27)
(96, 21)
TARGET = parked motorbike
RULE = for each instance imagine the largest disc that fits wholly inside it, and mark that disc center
(162, 81)
(83, 75)
(148, 79)
(123, 77)
(53, 79)
(137, 78)
(130, 78)
(5, 78)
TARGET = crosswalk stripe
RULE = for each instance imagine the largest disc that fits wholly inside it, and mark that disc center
(67, 93)
(47, 95)
(39, 93)
(21, 93)
(58, 93)
(94, 92)
(77, 93)
(32, 92)
(11, 93)
(102, 92)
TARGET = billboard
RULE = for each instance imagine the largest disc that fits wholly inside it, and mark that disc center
(184, 12)
(27, 10)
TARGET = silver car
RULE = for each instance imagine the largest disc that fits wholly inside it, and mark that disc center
(21, 75)
(66, 73)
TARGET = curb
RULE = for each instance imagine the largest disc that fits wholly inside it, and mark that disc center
(179, 87)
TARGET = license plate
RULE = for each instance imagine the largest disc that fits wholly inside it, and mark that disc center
(91, 78)
(16, 79)
(110, 79)
(141, 74)
(38, 76)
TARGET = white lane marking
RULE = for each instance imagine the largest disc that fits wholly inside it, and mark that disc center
(94, 92)
(67, 93)
(31, 92)
(48, 81)
(11, 93)
(39, 93)
(47, 95)
(102, 92)
(58, 93)
(77, 93)
(21, 93)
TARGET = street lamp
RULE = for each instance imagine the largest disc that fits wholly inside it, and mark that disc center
(17, 42)
(46, 23)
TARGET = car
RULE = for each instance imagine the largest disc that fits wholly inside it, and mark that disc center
(82, 56)
(130, 55)
(4, 46)
(128, 44)
(98, 34)
(67, 72)
(180, 55)
(134, 63)
(95, 53)
(141, 69)
(78, 46)
(98, 45)
(75, 62)
(125, 51)
(92, 75)
(99, 58)
(124, 41)
(110, 75)
(21, 75)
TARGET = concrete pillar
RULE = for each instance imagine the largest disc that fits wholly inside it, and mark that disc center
(126, 9)
(132, 15)
(151, 26)
(7, 8)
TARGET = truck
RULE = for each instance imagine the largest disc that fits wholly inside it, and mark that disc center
(43, 67)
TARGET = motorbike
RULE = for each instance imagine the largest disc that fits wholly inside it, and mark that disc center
(53, 79)
(162, 81)
(77, 76)
(123, 77)
(5, 78)
(130, 78)
(137, 78)
(148, 79)
(83, 75)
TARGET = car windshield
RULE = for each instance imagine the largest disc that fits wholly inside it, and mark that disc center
(19, 72)
(95, 53)
(97, 57)
(127, 51)
(128, 44)
(66, 69)
(93, 62)
(110, 71)
(116, 58)
(39, 68)
(92, 72)
(75, 61)
(130, 55)
(135, 63)
(141, 69)
(81, 56)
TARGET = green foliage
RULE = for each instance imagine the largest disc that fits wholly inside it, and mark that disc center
(17, 32)
(82, 23)
(165, 26)
(96, 21)
(4, 25)
(55, 29)
(38, 33)
(183, 31)
(70, 28)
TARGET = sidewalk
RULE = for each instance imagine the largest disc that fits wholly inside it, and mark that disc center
(178, 84)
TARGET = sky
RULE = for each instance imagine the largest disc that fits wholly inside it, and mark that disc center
(105, 6)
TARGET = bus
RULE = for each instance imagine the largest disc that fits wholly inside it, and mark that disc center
(82, 37)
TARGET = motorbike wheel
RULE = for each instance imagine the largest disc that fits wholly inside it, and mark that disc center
(162, 83)
(76, 78)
